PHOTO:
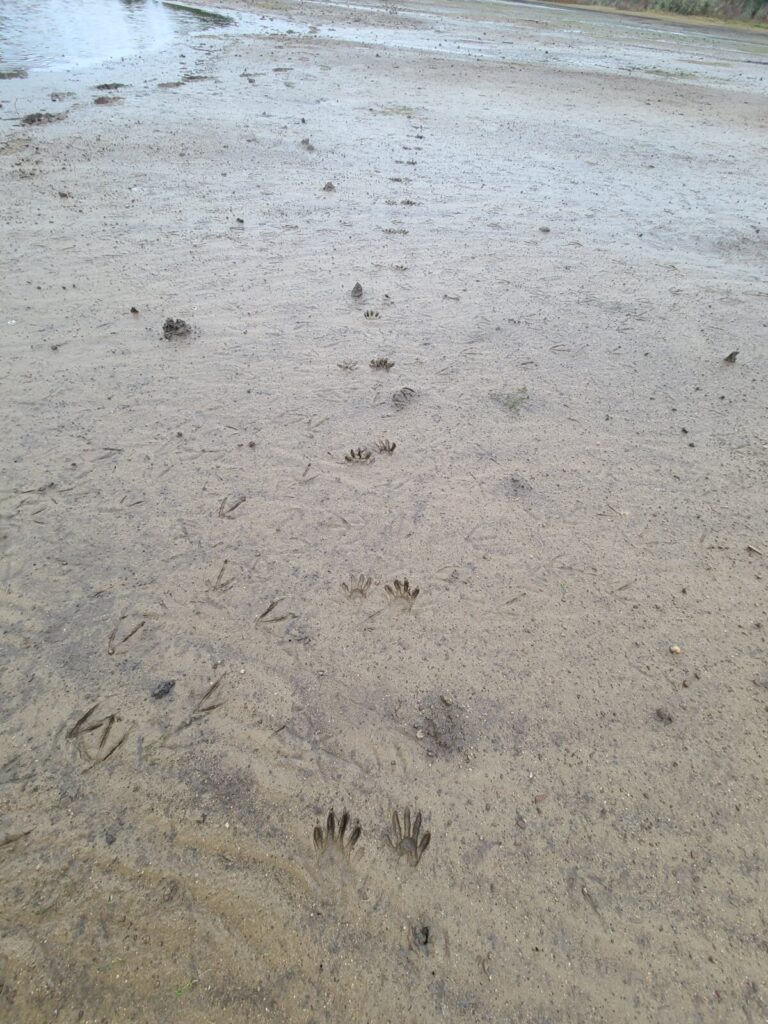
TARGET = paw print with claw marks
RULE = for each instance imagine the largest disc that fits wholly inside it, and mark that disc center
(358, 586)
(404, 839)
(401, 591)
(334, 835)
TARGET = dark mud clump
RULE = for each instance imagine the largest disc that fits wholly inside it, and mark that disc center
(110, 86)
(105, 101)
(41, 117)
(175, 328)
(13, 73)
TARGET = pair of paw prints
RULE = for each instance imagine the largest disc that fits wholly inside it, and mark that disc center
(362, 456)
(405, 837)
(400, 590)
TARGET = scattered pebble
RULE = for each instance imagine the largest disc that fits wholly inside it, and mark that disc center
(329, 187)
(163, 689)
(357, 290)
(731, 357)
(674, 649)
(663, 715)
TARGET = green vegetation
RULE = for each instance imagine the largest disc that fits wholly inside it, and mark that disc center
(753, 11)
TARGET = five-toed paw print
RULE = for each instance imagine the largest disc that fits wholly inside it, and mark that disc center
(359, 455)
(404, 838)
(401, 591)
(358, 586)
(334, 835)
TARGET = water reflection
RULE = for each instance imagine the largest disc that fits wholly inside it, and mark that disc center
(62, 34)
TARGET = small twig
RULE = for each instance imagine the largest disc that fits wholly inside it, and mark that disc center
(753, 549)
(622, 587)
(277, 618)
(201, 707)
(133, 632)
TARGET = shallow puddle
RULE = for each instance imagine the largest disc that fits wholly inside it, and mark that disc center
(63, 34)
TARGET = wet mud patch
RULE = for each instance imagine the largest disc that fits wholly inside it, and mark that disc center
(175, 328)
(511, 402)
(441, 725)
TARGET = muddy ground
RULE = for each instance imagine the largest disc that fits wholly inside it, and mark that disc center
(561, 227)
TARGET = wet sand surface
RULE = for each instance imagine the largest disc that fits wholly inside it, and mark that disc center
(560, 252)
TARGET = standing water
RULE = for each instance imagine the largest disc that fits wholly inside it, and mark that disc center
(63, 34)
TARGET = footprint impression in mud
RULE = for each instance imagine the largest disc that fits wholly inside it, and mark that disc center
(337, 839)
(94, 737)
(402, 592)
(360, 456)
(403, 398)
(404, 838)
(358, 586)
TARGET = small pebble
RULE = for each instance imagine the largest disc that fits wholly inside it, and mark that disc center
(674, 649)
(163, 689)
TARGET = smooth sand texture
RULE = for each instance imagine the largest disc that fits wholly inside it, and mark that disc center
(579, 485)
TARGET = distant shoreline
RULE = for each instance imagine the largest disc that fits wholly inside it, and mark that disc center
(717, 11)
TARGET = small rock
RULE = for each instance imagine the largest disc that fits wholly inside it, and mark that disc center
(731, 357)
(329, 187)
(357, 291)
(134, 311)
(163, 689)
(675, 649)
(109, 838)
(544, 229)
(663, 715)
